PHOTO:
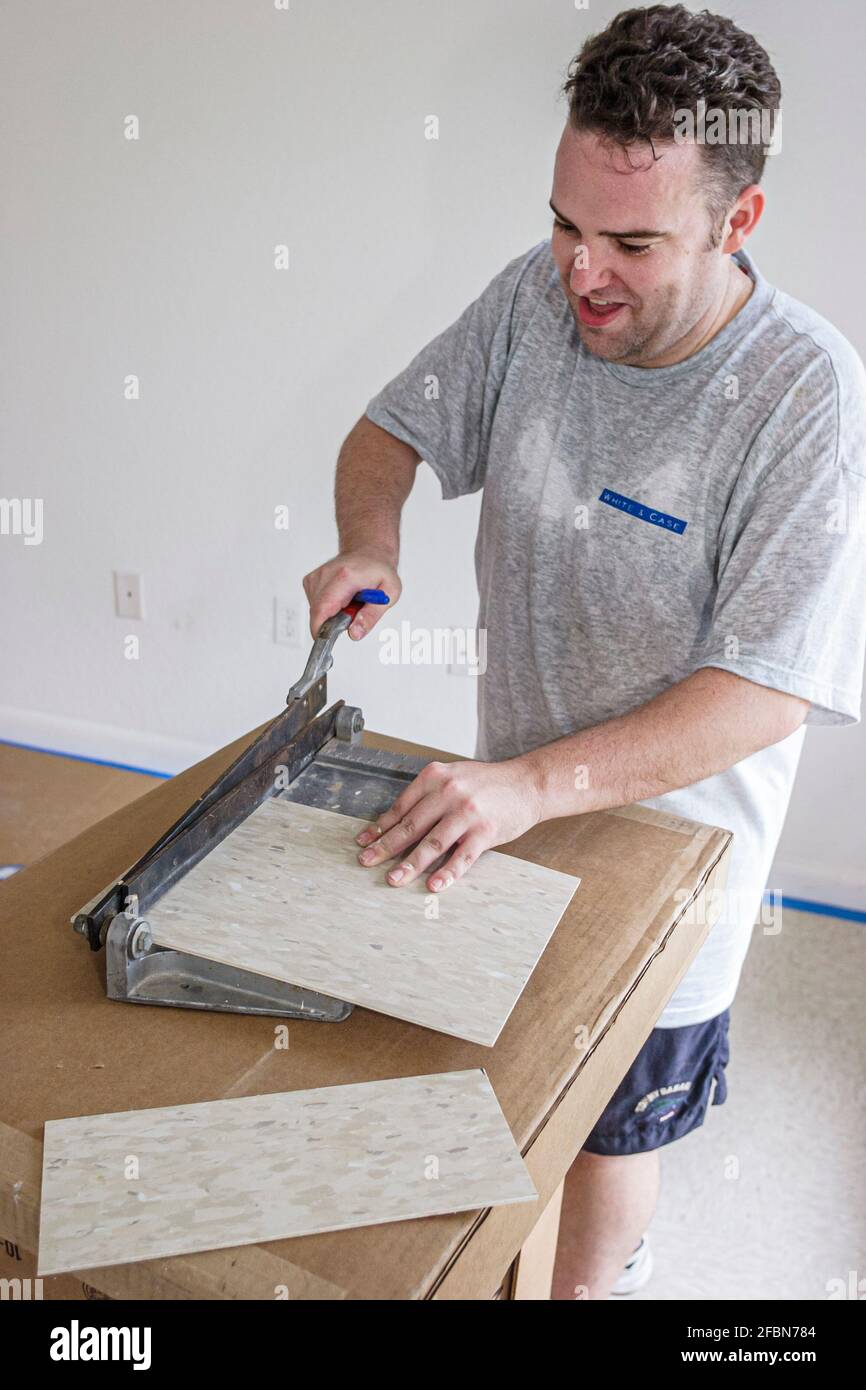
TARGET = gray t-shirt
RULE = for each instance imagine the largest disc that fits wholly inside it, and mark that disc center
(638, 524)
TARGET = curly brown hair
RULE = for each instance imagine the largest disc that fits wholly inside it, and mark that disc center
(633, 81)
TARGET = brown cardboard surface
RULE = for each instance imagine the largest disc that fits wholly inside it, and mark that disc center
(19, 1281)
(607, 973)
(46, 798)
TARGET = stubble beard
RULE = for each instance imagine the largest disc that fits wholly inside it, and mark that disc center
(638, 345)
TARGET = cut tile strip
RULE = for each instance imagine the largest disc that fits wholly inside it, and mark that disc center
(284, 896)
(145, 1184)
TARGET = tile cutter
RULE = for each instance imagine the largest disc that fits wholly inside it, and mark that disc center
(303, 755)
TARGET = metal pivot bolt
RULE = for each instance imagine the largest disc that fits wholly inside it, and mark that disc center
(140, 940)
(349, 724)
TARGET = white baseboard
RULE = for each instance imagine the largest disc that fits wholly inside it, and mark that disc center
(814, 884)
(107, 743)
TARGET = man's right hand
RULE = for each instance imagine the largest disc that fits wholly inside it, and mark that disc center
(330, 587)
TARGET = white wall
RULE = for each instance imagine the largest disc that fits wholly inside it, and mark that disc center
(155, 257)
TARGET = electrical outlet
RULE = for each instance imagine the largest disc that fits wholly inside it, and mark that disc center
(128, 596)
(287, 623)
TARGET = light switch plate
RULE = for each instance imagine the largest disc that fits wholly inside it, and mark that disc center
(287, 623)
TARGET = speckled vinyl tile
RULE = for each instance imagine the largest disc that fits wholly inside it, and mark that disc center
(284, 896)
(146, 1184)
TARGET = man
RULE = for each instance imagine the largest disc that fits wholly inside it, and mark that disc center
(670, 572)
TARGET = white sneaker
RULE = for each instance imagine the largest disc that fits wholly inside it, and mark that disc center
(637, 1272)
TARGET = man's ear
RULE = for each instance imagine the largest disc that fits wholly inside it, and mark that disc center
(743, 218)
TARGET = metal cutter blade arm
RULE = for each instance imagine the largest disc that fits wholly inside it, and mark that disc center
(321, 657)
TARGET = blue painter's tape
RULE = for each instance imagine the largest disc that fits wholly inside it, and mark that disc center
(83, 758)
(642, 512)
(844, 914)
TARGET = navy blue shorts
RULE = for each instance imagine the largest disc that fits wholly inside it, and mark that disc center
(667, 1089)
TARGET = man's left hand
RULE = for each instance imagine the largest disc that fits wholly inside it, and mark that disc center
(464, 807)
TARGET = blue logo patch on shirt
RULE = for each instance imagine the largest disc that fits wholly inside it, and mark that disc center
(642, 512)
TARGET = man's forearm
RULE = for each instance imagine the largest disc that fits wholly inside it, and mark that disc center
(698, 727)
(375, 473)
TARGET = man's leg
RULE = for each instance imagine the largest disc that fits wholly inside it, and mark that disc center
(607, 1205)
(612, 1187)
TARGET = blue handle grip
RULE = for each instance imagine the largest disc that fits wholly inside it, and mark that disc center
(371, 596)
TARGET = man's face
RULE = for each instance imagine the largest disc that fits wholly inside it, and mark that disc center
(641, 231)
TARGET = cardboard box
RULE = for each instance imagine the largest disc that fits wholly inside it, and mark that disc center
(630, 933)
(19, 1284)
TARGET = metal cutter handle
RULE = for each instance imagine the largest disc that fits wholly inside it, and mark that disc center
(321, 659)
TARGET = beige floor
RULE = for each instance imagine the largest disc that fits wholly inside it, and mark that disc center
(792, 1127)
